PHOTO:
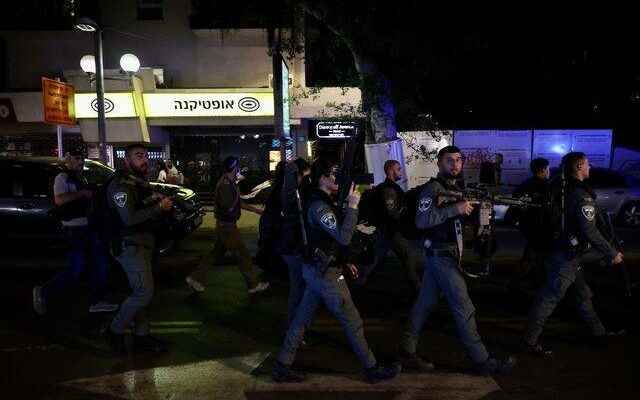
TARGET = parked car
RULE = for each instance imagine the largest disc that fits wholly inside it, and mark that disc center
(26, 197)
(616, 192)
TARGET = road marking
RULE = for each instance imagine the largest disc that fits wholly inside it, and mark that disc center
(225, 378)
(233, 378)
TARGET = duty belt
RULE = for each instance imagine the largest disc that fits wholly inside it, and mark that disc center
(443, 250)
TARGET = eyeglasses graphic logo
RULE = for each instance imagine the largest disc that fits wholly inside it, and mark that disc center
(108, 105)
(248, 104)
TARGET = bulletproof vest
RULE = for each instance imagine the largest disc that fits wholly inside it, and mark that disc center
(575, 191)
(316, 236)
(445, 232)
(139, 195)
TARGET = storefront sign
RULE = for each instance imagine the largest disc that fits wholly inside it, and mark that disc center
(336, 129)
(169, 105)
(209, 104)
(116, 105)
(57, 102)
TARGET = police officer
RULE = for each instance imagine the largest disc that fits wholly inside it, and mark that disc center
(324, 279)
(290, 244)
(531, 222)
(562, 264)
(442, 274)
(139, 217)
(391, 209)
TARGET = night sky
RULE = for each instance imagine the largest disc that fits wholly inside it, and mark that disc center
(542, 67)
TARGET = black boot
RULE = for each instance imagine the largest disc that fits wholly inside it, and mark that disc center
(382, 373)
(148, 343)
(494, 366)
(537, 350)
(411, 361)
(284, 374)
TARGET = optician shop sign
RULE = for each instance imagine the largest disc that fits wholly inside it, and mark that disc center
(167, 105)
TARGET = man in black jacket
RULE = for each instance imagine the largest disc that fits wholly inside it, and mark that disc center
(390, 205)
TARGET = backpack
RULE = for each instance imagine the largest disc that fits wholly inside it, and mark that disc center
(542, 226)
(104, 219)
(408, 227)
(371, 207)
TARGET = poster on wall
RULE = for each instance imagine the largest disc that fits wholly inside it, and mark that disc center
(420, 154)
(553, 144)
(482, 146)
(596, 144)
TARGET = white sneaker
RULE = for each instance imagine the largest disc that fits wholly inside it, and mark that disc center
(103, 306)
(194, 285)
(38, 301)
(260, 287)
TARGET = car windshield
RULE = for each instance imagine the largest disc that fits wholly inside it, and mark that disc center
(96, 173)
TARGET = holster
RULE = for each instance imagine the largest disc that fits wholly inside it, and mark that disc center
(322, 261)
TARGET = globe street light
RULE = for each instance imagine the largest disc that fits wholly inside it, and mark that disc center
(88, 25)
(129, 63)
(88, 64)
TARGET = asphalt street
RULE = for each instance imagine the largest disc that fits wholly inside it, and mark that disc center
(222, 342)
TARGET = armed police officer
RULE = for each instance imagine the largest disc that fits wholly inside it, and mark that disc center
(443, 245)
(531, 222)
(390, 207)
(139, 211)
(578, 231)
(289, 243)
(325, 282)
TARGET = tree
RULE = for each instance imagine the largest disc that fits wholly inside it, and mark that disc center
(356, 24)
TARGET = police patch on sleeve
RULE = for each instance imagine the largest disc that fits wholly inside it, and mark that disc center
(329, 220)
(425, 204)
(120, 199)
(589, 212)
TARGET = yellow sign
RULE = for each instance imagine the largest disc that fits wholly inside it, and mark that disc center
(57, 102)
(209, 104)
(116, 105)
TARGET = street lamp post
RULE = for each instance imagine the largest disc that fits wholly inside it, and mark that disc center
(102, 125)
(88, 25)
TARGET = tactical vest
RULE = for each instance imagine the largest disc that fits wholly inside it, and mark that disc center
(444, 233)
(139, 195)
(316, 236)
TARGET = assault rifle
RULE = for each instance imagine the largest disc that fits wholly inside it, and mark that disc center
(483, 220)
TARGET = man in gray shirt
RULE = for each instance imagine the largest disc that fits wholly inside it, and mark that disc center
(70, 191)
